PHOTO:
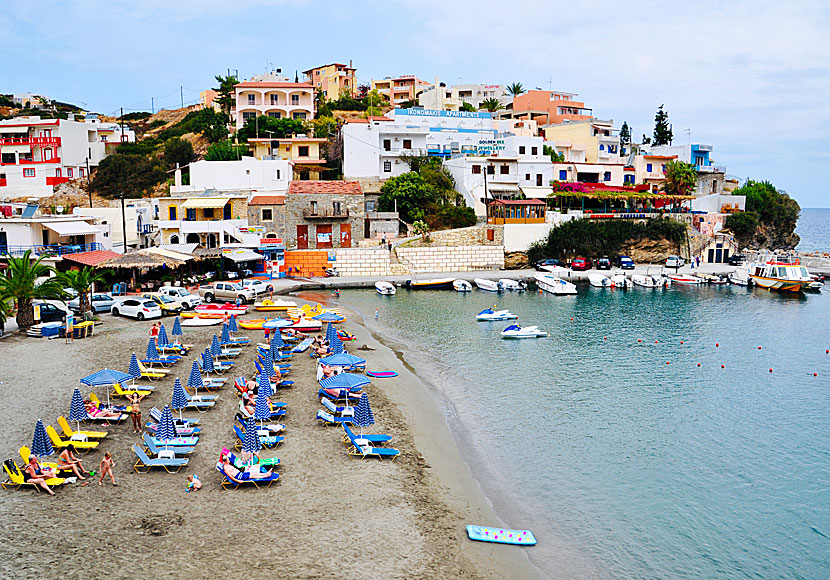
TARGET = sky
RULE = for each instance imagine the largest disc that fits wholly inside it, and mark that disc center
(751, 78)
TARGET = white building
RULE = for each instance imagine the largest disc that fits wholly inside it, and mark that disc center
(273, 96)
(52, 235)
(139, 223)
(441, 97)
(245, 176)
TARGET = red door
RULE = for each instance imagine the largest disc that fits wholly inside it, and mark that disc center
(324, 236)
(345, 235)
(302, 237)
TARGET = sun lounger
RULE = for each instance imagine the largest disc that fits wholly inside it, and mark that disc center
(25, 453)
(168, 464)
(152, 374)
(379, 452)
(225, 352)
(154, 449)
(163, 361)
(218, 367)
(115, 408)
(180, 431)
(272, 428)
(15, 475)
(339, 394)
(269, 441)
(177, 442)
(228, 481)
(237, 462)
(329, 419)
(119, 391)
(155, 415)
(58, 443)
(349, 437)
(335, 410)
(67, 431)
(275, 413)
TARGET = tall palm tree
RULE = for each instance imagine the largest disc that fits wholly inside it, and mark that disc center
(491, 105)
(81, 281)
(681, 178)
(515, 89)
(19, 281)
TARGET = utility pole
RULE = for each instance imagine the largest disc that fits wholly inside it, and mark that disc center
(123, 223)
(153, 105)
(88, 187)
(121, 136)
(181, 94)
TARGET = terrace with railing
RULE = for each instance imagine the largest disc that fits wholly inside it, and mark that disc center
(51, 250)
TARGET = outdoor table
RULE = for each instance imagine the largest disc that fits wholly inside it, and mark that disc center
(166, 454)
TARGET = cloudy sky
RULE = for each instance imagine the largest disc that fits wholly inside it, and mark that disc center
(751, 78)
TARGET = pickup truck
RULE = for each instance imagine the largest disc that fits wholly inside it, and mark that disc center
(226, 291)
(188, 300)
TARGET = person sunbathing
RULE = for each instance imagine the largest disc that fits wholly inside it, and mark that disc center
(37, 475)
(68, 460)
(97, 412)
(238, 476)
(342, 393)
(327, 371)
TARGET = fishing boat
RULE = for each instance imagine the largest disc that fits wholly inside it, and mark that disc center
(220, 308)
(714, 279)
(488, 285)
(462, 286)
(493, 314)
(512, 285)
(685, 279)
(784, 273)
(619, 280)
(598, 280)
(268, 305)
(431, 284)
(385, 288)
(554, 284)
(516, 331)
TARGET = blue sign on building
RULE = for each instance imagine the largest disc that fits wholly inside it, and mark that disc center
(436, 113)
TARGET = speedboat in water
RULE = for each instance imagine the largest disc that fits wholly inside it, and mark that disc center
(784, 273)
(599, 280)
(492, 314)
(685, 279)
(462, 286)
(431, 284)
(489, 285)
(649, 281)
(554, 284)
(619, 280)
(385, 288)
(514, 285)
(516, 331)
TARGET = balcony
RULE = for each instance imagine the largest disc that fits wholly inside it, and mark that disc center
(39, 141)
(711, 168)
(56, 180)
(325, 214)
(146, 228)
(56, 160)
(51, 250)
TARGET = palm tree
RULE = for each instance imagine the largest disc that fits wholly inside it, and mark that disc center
(681, 178)
(491, 105)
(81, 281)
(515, 89)
(19, 281)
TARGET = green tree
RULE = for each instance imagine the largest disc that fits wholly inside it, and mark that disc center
(225, 151)
(777, 214)
(515, 89)
(420, 228)
(130, 175)
(662, 129)
(491, 105)
(681, 178)
(410, 193)
(555, 156)
(743, 224)
(625, 134)
(226, 91)
(323, 127)
(468, 107)
(270, 127)
(81, 281)
(178, 151)
(213, 125)
(21, 282)
(646, 140)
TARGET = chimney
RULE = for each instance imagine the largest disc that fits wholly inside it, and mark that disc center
(178, 177)
(350, 63)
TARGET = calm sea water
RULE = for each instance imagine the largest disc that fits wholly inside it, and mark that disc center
(814, 229)
(622, 464)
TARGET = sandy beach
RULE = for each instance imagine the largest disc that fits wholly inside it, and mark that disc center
(329, 517)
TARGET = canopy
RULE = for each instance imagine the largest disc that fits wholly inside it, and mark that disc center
(170, 254)
(205, 202)
(106, 377)
(346, 380)
(342, 360)
(142, 259)
(77, 228)
(242, 255)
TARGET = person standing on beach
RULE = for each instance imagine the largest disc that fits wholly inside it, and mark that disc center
(377, 313)
(135, 410)
(154, 332)
(107, 464)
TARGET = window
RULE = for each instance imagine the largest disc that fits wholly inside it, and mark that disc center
(628, 179)
(539, 180)
(313, 208)
(251, 99)
(190, 215)
(172, 212)
(103, 138)
(370, 205)
(407, 143)
(276, 175)
(81, 170)
(298, 115)
(387, 144)
(295, 99)
(302, 150)
(8, 158)
(226, 212)
(491, 170)
(521, 149)
(527, 176)
(267, 215)
(58, 172)
(476, 169)
(335, 206)
(248, 115)
(663, 168)
(275, 99)
(563, 175)
(534, 151)
(69, 172)
(648, 167)
(387, 167)
(601, 147)
(29, 172)
(208, 213)
(275, 114)
(607, 176)
(504, 170)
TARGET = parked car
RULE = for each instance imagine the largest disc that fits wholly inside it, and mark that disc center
(581, 264)
(603, 264)
(542, 265)
(227, 291)
(139, 308)
(100, 302)
(51, 313)
(258, 286)
(674, 262)
(168, 305)
(625, 263)
(736, 259)
(189, 301)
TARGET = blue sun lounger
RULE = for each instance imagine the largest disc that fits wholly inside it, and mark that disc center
(228, 481)
(177, 442)
(335, 410)
(168, 464)
(154, 449)
(270, 462)
(349, 436)
(155, 415)
(324, 394)
(329, 419)
(180, 430)
(269, 441)
(275, 413)
(368, 451)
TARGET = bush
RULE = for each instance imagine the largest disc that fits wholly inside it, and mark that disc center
(743, 225)
(179, 151)
(213, 125)
(225, 151)
(453, 216)
(270, 127)
(131, 175)
(136, 116)
(144, 147)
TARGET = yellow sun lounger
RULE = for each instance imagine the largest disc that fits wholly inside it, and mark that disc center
(59, 443)
(151, 374)
(15, 475)
(68, 432)
(119, 392)
(94, 398)
(25, 453)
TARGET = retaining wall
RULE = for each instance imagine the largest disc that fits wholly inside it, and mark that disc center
(362, 261)
(452, 258)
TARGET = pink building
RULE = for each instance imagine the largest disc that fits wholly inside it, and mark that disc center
(277, 99)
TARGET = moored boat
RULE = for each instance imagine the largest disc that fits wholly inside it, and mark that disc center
(685, 279)
(385, 288)
(619, 280)
(783, 273)
(644, 281)
(493, 314)
(516, 331)
(512, 285)
(598, 280)
(431, 284)
(554, 284)
(488, 285)
(462, 286)
(740, 277)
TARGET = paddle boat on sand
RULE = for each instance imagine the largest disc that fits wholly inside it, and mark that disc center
(493, 314)
(306, 325)
(257, 323)
(196, 320)
(516, 331)
(273, 305)
(554, 284)
(385, 288)
(202, 315)
(462, 286)
(221, 308)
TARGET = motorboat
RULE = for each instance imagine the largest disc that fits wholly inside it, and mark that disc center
(619, 280)
(268, 305)
(516, 331)
(714, 279)
(512, 285)
(598, 280)
(220, 308)
(644, 281)
(784, 273)
(462, 286)
(685, 279)
(385, 288)
(488, 285)
(814, 286)
(431, 284)
(740, 277)
(492, 314)
(554, 284)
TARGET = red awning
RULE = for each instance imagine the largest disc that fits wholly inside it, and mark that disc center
(91, 258)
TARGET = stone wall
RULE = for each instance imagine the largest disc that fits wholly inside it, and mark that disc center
(472, 236)
(275, 225)
(451, 258)
(362, 262)
(297, 203)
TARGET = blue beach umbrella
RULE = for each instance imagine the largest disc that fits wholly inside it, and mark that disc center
(363, 415)
(134, 371)
(331, 332)
(342, 360)
(264, 385)
(152, 351)
(345, 381)
(207, 361)
(226, 334)
(336, 345)
(276, 340)
(166, 430)
(328, 317)
(177, 328)
(106, 377)
(215, 347)
(251, 443)
(179, 400)
(77, 410)
(262, 410)
(162, 338)
(41, 446)
(232, 325)
(276, 323)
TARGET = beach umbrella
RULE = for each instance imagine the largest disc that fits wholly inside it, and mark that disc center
(336, 345)
(215, 347)
(166, 430)
(177, 328)
(77, 410)
(41, 446)
(194, 381)
(207, 361)
(342, 360)
(134, 371)
(363, 416)
(264, 385)
(106, 377)
(262, 410)
(179, 400)
(226, 334)
(276, 323)
(276, 340)
(251, 442)
(162, 337)
(345, 380)
(232, 325)
(328, 317)
(331, 332)
(152, 351)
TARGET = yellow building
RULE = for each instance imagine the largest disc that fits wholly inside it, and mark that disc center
(208, 221)
(302, 152)
(333, 79)
(592, 141)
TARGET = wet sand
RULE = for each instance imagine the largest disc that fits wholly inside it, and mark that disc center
(329, 517)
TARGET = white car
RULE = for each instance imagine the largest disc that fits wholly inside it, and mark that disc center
(188, 301)
(258, 286)
(138, 308)
(674, 262)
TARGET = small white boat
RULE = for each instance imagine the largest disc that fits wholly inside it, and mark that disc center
(516, 331)
(644, 281)
(488, 285)
(554, 284)
(598, 280)
(814, 286)
(431, 284)
(385, 288)
(685, 279)
(196, 321)
(492, 314)
(462, 286)
(513, 285)
(619, 280)
(740, 277)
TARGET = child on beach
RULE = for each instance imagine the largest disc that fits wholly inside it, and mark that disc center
(107, 463)
(193, 483)
(377, 313)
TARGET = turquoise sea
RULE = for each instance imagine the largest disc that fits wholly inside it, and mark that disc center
(623, 465)
(814, 229)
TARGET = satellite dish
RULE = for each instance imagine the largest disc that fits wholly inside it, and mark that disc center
(59, 209)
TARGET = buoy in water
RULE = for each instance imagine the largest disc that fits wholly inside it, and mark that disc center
(668, 362)
(723, 366)
(681, 342)
(717, 344)
(815, 374)
(656, 342)
(759, 348)
(698, 364)
(770, 370)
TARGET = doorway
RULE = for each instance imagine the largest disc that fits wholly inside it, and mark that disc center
(302, 237)
(345, 235)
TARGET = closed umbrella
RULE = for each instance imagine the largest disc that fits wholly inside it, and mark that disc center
(215, 348)
(232, 325)
(41, 446)
(194, 381)
(336, 345)
(166, 430)
(134, 371)
(363, 416)
(264, 385)
(345, 381)
(162, 337)
(77, 410)
(226, 334)
(268, 365)
(262, 410)
(152, 351)
(207, 361)
(179, 400)
(251, 442)
(177, 328)
(331, 332)
(276, 340)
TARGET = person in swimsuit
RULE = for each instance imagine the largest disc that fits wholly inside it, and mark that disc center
(107, 463)
(37, 475)
(135, 412)
(251, 472)
(67, 459)
(95, 411)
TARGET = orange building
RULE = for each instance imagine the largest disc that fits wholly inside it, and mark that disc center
(549, 107)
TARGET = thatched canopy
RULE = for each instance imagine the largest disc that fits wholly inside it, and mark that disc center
(142, 259)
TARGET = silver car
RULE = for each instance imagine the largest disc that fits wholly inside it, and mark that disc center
(99, 302)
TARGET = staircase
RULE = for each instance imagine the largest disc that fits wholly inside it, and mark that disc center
(395, 266)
